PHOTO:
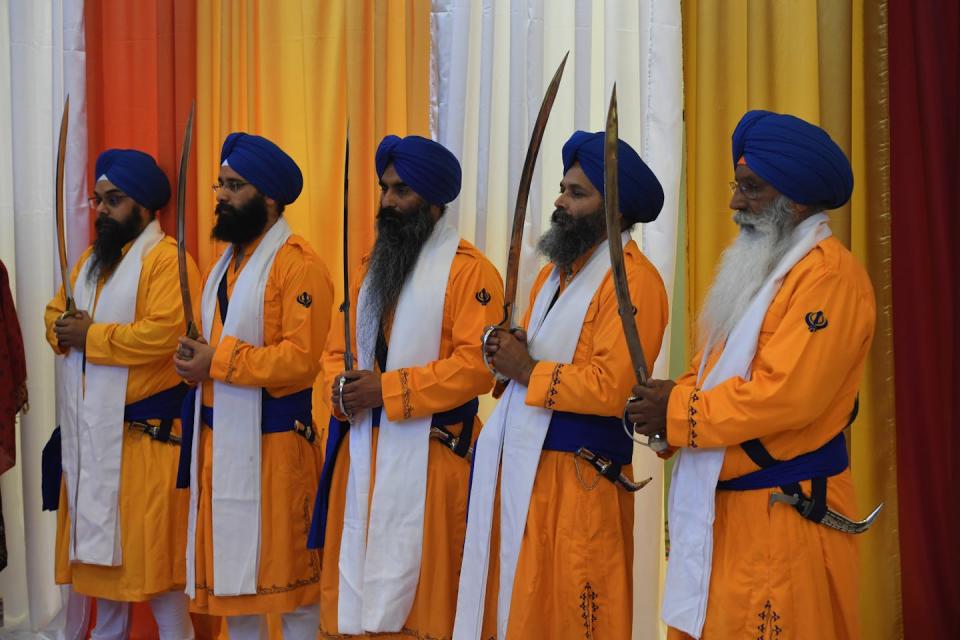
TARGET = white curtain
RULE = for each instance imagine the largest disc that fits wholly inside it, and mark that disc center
(41, 60)
(491, 62)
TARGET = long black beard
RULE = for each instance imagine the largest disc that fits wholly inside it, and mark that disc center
(569, 237)
(400, 237)
(240, 225)
(112, 236)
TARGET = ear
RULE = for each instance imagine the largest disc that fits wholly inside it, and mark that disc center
(801, 211)
(436, 211)
(272, 206)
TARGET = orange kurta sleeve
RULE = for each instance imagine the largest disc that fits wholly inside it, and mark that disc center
(159, 318)
(599, 379)
(795, 370)
(474, 300)
(305, 290)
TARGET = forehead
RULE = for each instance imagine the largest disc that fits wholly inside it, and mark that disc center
(390, 175)
(575, 177)
(227, 173)
(743, 173)
(104, 187)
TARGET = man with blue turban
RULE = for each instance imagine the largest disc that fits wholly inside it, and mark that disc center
(565, 532)
(121, 522)
(762, 497)
(252, 460)
(405, 417)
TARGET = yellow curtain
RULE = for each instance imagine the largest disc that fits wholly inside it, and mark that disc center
(824, 62)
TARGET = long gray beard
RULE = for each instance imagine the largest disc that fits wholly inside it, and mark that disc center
(764, 239)
(395, 252)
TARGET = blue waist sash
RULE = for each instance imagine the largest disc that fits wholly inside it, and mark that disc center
(828, 460)
(163, 406)
(604, 435)
(463, 414)
(277, 415)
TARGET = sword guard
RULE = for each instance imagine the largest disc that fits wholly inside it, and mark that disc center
(656, 442)
(487, 332)
(341, 383)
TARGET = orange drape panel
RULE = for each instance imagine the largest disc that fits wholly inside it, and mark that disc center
(141, 79)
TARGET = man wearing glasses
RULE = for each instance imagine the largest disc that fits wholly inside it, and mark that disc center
(759, 418)
(253, 463)
(121, 525)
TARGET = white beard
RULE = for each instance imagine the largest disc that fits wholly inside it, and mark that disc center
(764, 239)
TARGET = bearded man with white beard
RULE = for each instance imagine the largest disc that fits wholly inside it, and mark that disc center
(758, 419)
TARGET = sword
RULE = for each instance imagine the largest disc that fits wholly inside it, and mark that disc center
(71, 306)
(605, 467)
(831, 519)
(520, 214)
(192, 331)
(611, 204)
(450, 441)
(345, 307)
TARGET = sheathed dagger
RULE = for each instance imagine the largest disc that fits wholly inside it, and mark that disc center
(611, 205)
(520, 212)
(71, 306)
(192, 331)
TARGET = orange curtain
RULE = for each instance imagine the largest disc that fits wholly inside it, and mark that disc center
(141, 79)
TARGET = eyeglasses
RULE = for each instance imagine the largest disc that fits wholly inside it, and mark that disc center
(112, 200)
(750, 191)
(233, 186)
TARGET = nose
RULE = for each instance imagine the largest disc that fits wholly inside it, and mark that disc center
(388, 199)
(559, 202)
(738, 201)
(222, 195)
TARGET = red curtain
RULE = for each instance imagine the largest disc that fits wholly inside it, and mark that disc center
(924, 65)
(141, 78)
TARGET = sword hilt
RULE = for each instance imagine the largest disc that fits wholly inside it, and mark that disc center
(487, 333)
(656, 442)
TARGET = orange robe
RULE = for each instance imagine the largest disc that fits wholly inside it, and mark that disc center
(474, 300)
(574, 576)
(153, 513)
(297, 301)
(776, 574)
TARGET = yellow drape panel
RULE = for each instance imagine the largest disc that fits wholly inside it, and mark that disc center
(291, 71)
(294, 71)
(824, 62)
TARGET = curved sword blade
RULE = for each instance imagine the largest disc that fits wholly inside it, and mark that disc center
(60, 213)
(523, 195)
(611, 205)
(192, 331)
(345, 307)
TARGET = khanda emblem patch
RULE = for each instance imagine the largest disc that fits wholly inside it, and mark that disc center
(816, 321)
(483, 297)
(305, 299)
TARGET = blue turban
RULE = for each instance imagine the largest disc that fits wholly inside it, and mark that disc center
(641, 196)
(264, 165)
(137, 175)
(799, 159)
(426, 166)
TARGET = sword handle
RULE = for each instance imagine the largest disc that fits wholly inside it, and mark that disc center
(487, 333)
(656, 442)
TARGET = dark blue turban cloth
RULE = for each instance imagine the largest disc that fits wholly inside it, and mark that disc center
(641, 196)
(425, 166)
(137, 175)
(264, 165)
(799, 159)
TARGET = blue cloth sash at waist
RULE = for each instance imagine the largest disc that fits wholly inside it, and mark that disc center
(164, 405)
(828, 460)
(603, 435)
(335, 436)
(277, 416)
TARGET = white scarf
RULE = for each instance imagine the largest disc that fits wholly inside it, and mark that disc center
(90, 412)
(380, 558)
(236, 453)
(693, 485)
(510, 446)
